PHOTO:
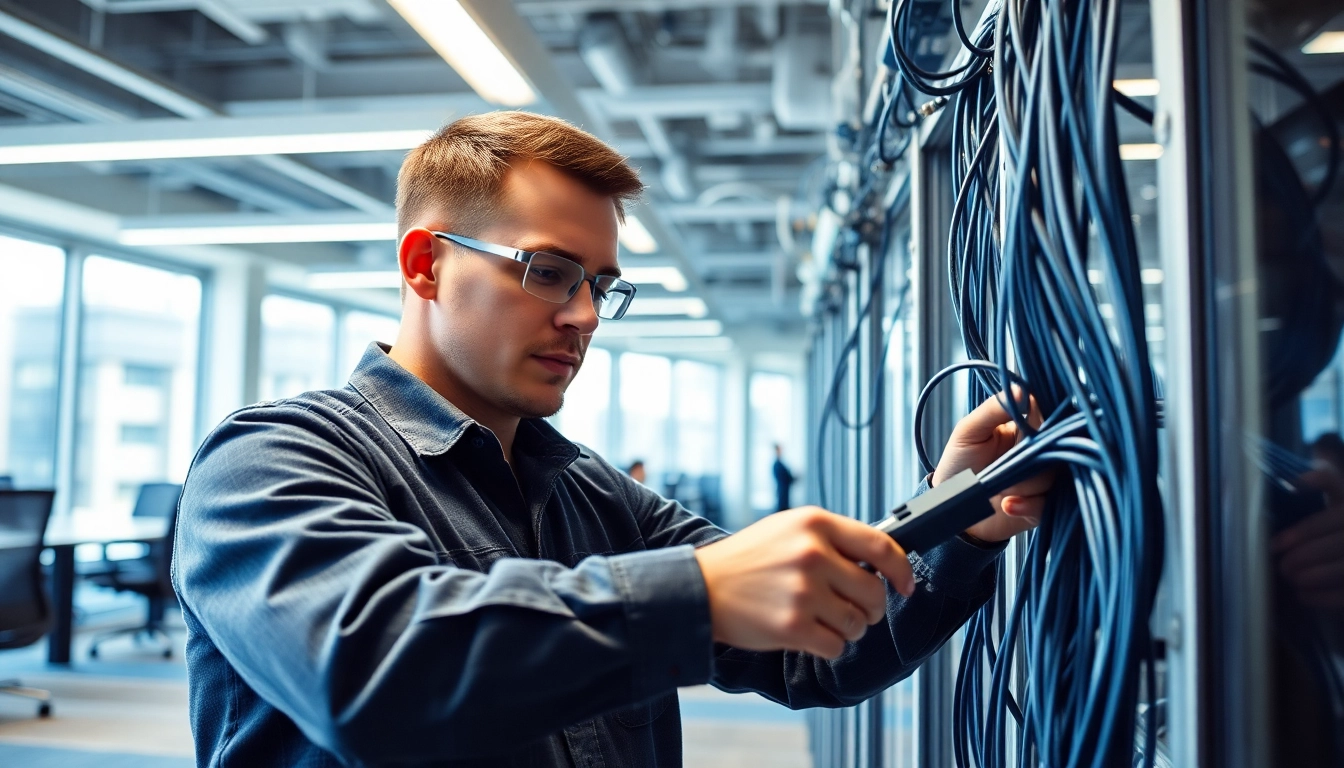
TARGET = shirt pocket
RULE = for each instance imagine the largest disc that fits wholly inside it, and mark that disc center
(645, 712)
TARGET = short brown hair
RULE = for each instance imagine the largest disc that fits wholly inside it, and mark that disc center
(462, 167)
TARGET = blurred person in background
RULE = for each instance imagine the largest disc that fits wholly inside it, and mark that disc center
(783, 480)
(636, 471)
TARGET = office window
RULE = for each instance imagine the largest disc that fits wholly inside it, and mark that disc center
(297, 338)
(30, 342)
(772, 421)
(358, 330)
(586, 415)
(646, 400)
(695, 388)
(136, 404)
(146, 375)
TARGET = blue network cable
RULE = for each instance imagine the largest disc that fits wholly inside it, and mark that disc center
(1041, 201)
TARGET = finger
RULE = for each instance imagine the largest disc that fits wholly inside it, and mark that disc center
(1035, 486)
(860, 588)
(982, 424)
(1325, 479)
(1024, 506)
(821, 640)
(863, 543)
(1317, 525)
(1318, 576)
(843, 617)
(1315, 551)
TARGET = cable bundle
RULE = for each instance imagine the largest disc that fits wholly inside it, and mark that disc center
(1021, 248)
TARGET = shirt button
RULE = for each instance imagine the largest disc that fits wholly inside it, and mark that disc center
(478, 441)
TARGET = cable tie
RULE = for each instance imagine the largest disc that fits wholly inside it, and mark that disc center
(944, 511)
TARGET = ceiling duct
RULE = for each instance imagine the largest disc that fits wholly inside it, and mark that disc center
(801, 85)
(619, 69)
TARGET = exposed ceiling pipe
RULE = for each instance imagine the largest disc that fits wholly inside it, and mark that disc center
(219, 12)
(562, 7)
(170, 98)
(614, 63)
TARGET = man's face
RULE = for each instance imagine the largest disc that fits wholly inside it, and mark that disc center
(517, 353)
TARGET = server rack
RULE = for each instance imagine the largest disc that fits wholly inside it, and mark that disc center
(1219, 622)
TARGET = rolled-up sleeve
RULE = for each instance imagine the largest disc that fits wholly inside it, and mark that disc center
(347, 620)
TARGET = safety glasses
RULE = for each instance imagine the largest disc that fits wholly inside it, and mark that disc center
(556, 278)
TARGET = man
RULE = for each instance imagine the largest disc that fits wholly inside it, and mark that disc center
(418, 570)
(783, 480)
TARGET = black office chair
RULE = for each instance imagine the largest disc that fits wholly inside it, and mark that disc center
(153, 500)
(149, 576)
(25, 615)
(6, 482)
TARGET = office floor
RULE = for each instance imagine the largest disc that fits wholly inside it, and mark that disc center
(128, 709)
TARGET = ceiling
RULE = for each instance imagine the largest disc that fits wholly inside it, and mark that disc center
(723, 105)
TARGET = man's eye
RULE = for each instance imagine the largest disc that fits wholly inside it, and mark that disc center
(545, 275)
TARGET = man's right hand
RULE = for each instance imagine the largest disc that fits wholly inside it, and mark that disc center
(793, 582)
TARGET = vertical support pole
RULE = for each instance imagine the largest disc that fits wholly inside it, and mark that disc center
(1217, 633)
(67, 387)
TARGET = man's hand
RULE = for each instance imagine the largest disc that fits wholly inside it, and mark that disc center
(984, 435)
(1309, 552)
(793, 582)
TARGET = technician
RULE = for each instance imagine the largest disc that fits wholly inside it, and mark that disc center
(417, 569)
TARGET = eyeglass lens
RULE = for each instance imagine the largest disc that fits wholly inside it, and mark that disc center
(555, 278)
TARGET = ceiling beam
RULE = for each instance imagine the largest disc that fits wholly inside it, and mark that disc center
(158, 92)
(561, 7)
(220, 136)
(673, 101)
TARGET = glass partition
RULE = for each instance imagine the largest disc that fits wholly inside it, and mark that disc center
(30, 334)
(297, 343)
(136, 404)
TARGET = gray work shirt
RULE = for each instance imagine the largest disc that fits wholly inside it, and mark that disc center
(364, 582)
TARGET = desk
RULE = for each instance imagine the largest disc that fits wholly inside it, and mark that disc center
(63, 535)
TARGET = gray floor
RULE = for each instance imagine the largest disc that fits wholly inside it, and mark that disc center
(129, 709)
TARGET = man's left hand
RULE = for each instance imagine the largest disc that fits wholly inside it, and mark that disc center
(984, 435)
(1309, 552)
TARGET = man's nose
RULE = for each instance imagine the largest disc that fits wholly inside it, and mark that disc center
(580, 311)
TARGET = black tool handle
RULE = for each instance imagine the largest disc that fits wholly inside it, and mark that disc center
(944, 511)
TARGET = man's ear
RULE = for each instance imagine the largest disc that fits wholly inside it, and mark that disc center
(415, 256)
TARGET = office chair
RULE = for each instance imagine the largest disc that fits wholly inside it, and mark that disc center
(149, 576)
(153, 500)
(25, 615)
(6, 482)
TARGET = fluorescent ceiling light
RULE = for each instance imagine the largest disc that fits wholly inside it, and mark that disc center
(260, 233)
(648, 328)
(1140, 151)
(454, 34)
(670, 277)
(354, 279)
(668, 305)
(1141, 86)
(635, 237)
(1326, 42)
(231, 146)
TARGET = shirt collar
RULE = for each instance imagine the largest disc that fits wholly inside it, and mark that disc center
(427, 421)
